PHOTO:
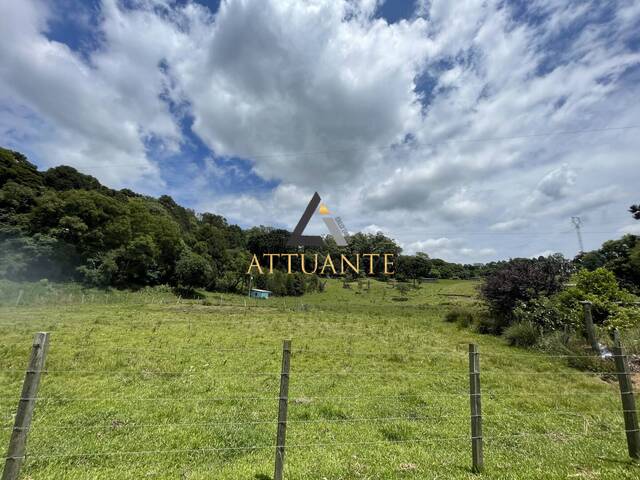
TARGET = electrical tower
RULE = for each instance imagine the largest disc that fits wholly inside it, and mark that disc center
(577, 222)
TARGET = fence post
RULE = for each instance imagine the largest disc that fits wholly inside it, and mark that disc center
(590, 329)
(283, 403)
(628, 401)
(26, 405)
(477, 457)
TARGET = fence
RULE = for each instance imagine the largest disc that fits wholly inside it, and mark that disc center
(283, 403)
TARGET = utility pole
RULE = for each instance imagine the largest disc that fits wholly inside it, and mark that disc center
(577, 222)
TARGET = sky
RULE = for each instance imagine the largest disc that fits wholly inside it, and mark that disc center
(469, 130)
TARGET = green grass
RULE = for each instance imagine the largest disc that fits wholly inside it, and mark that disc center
(378, 391)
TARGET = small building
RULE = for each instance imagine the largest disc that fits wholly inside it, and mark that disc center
(257, 293)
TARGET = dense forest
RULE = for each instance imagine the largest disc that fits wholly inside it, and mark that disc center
(63, 225)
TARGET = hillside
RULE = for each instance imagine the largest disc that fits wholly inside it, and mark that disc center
(63, 225)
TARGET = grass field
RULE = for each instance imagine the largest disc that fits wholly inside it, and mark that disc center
(144, 386)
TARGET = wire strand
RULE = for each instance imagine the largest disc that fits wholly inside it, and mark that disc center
(313, 445)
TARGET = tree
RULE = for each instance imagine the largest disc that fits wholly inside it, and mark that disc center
(15, 166)
(68, 178)
(620, 257)
(601, 288)
(413, 266)
(137, 262)
(295, 284)
(193, 270)
(635, 211)
(263, 240)
(30, 258)
(15, 199)
(521, 280)
(64, 224)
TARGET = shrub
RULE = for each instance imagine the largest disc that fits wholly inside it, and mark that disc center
(193, 270)
(579, 354)
(486, 323)
(295, 284)
(522, 334)
(276, 282)
(623, 318)
(461, 316)
(622, 257)
(601, 288)
(521, 280)
(545, 313)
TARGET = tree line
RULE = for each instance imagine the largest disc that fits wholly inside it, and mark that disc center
(63, 225)
(530, 297)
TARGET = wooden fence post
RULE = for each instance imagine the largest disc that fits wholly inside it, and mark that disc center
(590, 329)
(628, 401)
(26, 405)
(477, 457)
(283, 404)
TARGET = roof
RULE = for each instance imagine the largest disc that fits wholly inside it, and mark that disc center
(259, 290)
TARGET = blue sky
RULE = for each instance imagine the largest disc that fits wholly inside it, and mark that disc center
(454, 127)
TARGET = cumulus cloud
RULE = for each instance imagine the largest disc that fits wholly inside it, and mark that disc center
(556, 183)
(302, 91)
(457, 129)
(93, 116)
(450, 249)
(510, 225)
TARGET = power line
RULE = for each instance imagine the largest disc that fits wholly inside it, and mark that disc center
(422, 146)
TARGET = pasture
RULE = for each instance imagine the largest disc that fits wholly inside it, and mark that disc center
(157, 387)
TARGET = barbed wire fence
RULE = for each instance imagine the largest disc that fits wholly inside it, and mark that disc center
(480, 408)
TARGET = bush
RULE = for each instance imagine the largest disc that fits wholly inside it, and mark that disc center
(295, 284)
(601, 288)
(521, 280)
(579, 354)
(486, 323)
(545, 313)
(193, 271)
(522, 334)
(623, 318)
(622, 257)
(461, 316)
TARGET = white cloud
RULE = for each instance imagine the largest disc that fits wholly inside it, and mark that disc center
(373, 229)
(633, 229)
(96, 116)
(267, 80)
(450, 249)
(545, 253)
(324, 96)
(510, 225)
(556, 183)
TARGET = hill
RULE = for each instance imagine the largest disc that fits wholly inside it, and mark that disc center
(64, 225)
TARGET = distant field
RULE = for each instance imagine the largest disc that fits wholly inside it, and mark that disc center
(149, 386)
